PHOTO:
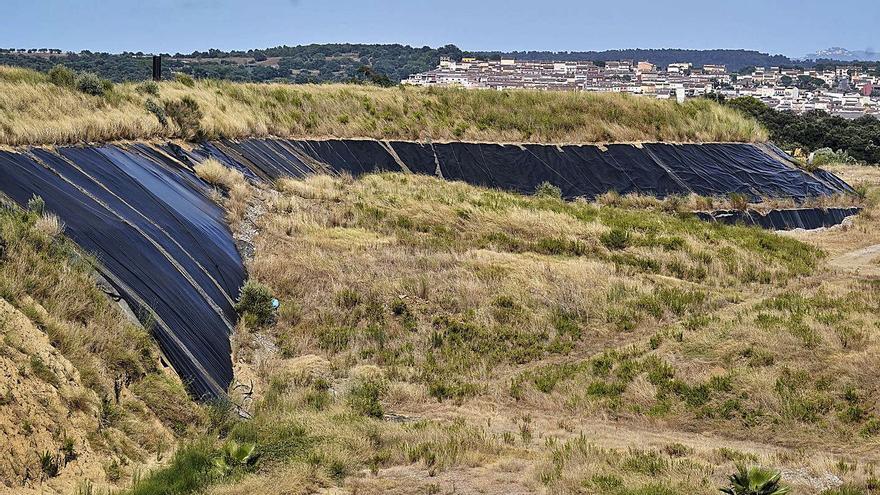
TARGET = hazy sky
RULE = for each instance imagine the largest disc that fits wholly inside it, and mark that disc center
(790, 27)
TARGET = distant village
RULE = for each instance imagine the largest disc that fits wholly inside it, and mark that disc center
(847, 91)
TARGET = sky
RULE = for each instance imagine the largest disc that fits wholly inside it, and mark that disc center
(788, 27)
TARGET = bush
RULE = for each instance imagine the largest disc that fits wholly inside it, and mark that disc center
(364, 398)
(255, 302)
(62, 76)
(186, 113)
(168, 400)
(824, 156)
(148, 88)
(548, 190)
(615, 239)
(184, 79)
(50, 464)
(157, 110)
(91, 84)
(348, 299)
(739, 201)
(846, 489)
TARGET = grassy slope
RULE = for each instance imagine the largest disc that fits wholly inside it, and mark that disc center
(530, 347)
(64, 350)
(34, 111)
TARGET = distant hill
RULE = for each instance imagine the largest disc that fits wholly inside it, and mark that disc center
(343, 62)
(735, 60)
(843, 55)
(340, 62)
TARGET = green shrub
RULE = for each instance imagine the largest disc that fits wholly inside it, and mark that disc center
(186, 113)
(184, 79)
(91, 84)
(68, 450)
(846, 489)
(824, 156)
(364, 397)
(645, 462)
(62, 76)
(334, 339)
(871, 428)
(739, 201)
(677, 450)
(347, 298)
(548, 190)
(455, 389)
(157, 110)
(255, 302)
(148, 88)
(43, 372)
(168, 400)
(615, 239)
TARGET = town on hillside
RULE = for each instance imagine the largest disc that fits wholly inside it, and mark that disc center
(845, 90)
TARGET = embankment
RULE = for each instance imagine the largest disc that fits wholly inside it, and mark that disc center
(163, 243)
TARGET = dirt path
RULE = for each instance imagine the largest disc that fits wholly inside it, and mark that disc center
(863, 262)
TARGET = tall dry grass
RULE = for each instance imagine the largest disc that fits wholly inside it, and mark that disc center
(34, 111)
(371, 269)
(233, 187)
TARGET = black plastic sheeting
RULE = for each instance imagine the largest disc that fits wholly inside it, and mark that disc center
(164, 245)
(158, 239)
(754, 170)
(787, 219)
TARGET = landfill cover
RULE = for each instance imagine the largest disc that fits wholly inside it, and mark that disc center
(658, 169)
(787, 219)
(158, 239)
(164, 246)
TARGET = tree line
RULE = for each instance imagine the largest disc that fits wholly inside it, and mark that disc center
(344, 62)
(817, 129)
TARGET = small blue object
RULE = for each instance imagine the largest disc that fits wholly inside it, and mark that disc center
(275, 303)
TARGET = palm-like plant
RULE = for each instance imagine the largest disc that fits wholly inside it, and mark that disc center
(756, 480)
(233, 455)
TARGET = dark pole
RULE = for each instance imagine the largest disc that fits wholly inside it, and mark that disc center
(157, 67)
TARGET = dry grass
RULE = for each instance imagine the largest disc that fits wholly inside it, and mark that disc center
(98, 367)
(233, 187)
(505, 272)
(49, 225)
(514, 320)
(34, 111)
(438, 337)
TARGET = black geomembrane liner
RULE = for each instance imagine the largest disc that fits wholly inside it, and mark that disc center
(164, 244)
